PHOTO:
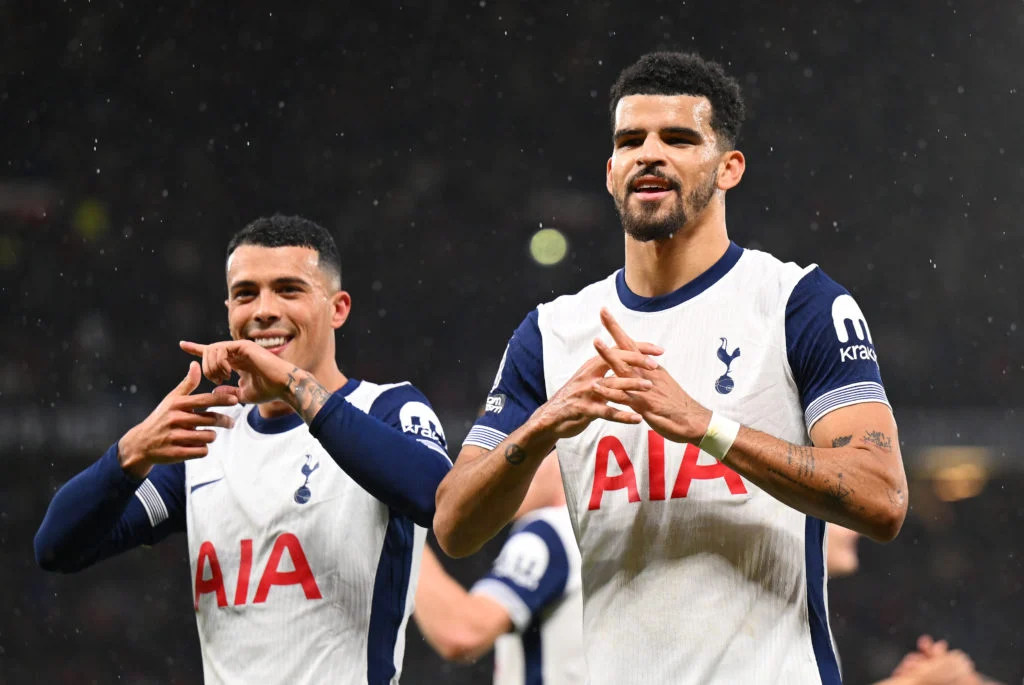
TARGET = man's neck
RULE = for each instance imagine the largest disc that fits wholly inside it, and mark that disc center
(659, 267)
(330, 377)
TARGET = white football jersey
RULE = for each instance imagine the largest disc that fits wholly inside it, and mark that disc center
(692, 574)
(299, 574)
(536, 577)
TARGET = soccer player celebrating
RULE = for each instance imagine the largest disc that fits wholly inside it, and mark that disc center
(304, 493)
(700, 463)
(529, 607)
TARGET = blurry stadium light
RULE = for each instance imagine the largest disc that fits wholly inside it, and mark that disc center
(548, 246)
(10, 249)
(91, 219)
(957, 472)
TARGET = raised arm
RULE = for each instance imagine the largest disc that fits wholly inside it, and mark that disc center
(508, 443)
(400, 465)
(853, 474)
(398, 458)
(103, 511)
(135, 493)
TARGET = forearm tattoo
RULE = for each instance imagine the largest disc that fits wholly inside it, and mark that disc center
(515, 455)
(802, 472)
(801, 457)
(309, 395)
(837, 492)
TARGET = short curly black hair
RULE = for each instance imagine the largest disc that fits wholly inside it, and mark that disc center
(685, 73)
(291, 231)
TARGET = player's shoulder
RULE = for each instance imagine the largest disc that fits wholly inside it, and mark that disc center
(770, 271)
(366, 393)
(548, 532)
(780, 286)
(553, 516)
(401, 405)
(596, 292)
(545, 521)
(582, 305)
(377, 398)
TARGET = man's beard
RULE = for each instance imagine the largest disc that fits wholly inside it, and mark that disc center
(641, 224)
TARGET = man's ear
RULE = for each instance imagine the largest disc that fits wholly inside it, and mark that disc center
(730, 169)
(341, 305)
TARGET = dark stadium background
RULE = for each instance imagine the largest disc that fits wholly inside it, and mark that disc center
(434, 138)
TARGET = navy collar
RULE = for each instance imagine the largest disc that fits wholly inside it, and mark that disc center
(690, 290)
(283, 424)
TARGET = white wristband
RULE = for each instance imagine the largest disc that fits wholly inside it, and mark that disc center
(720, 436)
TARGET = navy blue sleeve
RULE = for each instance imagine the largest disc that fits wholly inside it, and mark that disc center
(530, 573)
(406, 408)
(830, 348)
(400, 468)
(518, 388)
(102, 512)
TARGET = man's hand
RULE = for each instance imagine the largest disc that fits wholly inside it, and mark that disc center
(262, 375)
(662, 403)
(934, 664)
(174, 432)
(579, 401)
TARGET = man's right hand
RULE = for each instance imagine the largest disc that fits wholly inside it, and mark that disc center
(576, 404)
(174, 431)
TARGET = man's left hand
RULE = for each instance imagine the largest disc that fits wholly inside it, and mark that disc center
(262, 375)
(665, 406)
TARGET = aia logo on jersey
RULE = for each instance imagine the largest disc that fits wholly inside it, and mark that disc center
(301, 574)
(724, 384)
(689, 471)
(303, 494)
(851, 327)
(419, 419)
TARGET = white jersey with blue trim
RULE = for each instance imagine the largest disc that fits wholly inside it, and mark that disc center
(536, 578)
(299, 574)
(691, 573)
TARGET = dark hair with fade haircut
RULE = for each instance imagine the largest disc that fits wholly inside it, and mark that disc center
(290, 231)
(685, 73)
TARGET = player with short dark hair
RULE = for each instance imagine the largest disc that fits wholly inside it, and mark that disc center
(304, 493)
(711, 405)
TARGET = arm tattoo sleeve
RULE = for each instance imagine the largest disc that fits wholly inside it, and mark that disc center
(309, 396)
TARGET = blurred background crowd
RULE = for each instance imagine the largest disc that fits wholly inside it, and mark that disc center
(435, 139)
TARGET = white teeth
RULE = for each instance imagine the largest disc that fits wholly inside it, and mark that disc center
(270, 342)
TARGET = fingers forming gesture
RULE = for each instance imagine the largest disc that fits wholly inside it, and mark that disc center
(262, 375)
(176, 430)
(662, 402)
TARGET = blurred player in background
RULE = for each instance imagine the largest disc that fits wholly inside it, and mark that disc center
(696, 495)
(933, 663)
(304, 493)
(529, 607)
